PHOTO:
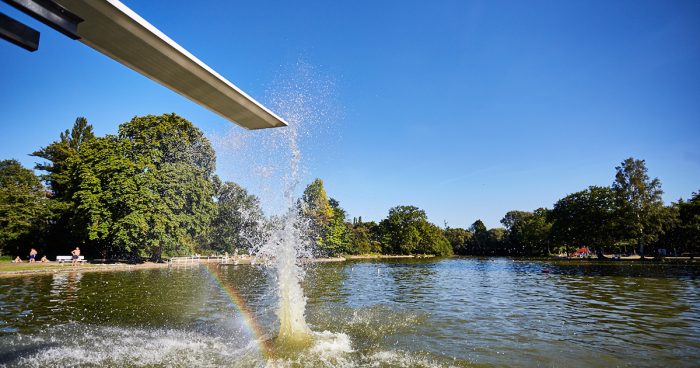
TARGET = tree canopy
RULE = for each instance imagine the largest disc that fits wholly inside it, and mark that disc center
(150, 192)
(24, 208)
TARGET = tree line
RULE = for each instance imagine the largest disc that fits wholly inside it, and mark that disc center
(150, 192)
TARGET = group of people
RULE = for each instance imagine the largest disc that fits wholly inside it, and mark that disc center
(32, 257)
(75, 253)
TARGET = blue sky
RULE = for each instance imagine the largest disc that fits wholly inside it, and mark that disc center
(466, 109)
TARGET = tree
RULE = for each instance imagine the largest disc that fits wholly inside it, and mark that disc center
(433, 241)
(639, 202)
(407, 231)
(479, 241)
(327, 220)
(335, 237)
(147, 192)
(62, 178)
(365, 238)
(495, 242)
(459, 239)
(400, 230)
(527, 233)
(60, 154)
(315, 205)
(237, 221)
(682, 226)
(23, 208)
(585, 218)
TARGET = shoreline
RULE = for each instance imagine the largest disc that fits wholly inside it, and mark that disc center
(52, 268)
(26, 268)
(6, 270)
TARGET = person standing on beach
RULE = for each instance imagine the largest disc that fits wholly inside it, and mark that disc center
(76, 255)
(32, 255)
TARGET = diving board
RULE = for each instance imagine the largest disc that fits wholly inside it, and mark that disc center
(113, 29)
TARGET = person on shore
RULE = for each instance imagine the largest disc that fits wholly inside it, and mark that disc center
(32, 255)
(76, 254)
(17, 260)
(44, 259)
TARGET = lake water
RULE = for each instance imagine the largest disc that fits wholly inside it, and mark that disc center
(449, 312)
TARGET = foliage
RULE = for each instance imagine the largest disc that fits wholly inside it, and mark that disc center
(146, 192)
(527, 233)
(681, 232)
(61, 169)
(459, 239)
(327, 220)
(585, 218)
(639, 202)
(23, 208)
(315, 205)
(407, 231)
(364, 238)
(336, 234)
(150, 191)
(688, 230)
(237, 220)
(479, 242)
(60, 155)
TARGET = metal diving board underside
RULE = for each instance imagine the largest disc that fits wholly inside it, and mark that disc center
(115, 30)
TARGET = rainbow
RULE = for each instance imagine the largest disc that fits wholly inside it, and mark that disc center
(238, 304)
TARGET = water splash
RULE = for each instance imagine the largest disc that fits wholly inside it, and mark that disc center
(275, 158)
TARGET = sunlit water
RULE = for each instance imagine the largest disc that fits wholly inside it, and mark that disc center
(451, 312)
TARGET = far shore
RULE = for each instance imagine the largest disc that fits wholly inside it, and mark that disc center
(26, 268)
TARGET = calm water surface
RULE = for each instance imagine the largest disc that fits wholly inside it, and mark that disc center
(450, 312)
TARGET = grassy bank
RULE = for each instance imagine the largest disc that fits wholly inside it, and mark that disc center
(14, 269)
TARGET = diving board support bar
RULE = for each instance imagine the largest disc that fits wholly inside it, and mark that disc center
(19, 34)
(51, 14)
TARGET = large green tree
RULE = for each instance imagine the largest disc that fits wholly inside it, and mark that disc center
(406, 230)
(315, 205)
(326, 220)
(528, 233)
(479, 242)
(147, 192)
(24, 210)
(401, 229)
(639, 202)
(60, 169)
(585, 218)
(459, 239)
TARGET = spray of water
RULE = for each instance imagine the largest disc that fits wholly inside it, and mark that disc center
(275, 158)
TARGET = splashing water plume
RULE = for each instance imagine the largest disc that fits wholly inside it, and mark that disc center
(303, 102)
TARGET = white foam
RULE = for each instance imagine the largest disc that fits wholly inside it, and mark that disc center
(80, 345)
(330, 343)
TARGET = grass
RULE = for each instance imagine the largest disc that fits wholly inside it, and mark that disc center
(7, 266)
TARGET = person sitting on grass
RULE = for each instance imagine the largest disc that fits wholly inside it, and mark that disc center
(44, 259)
(76, 254)
(17, 260)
